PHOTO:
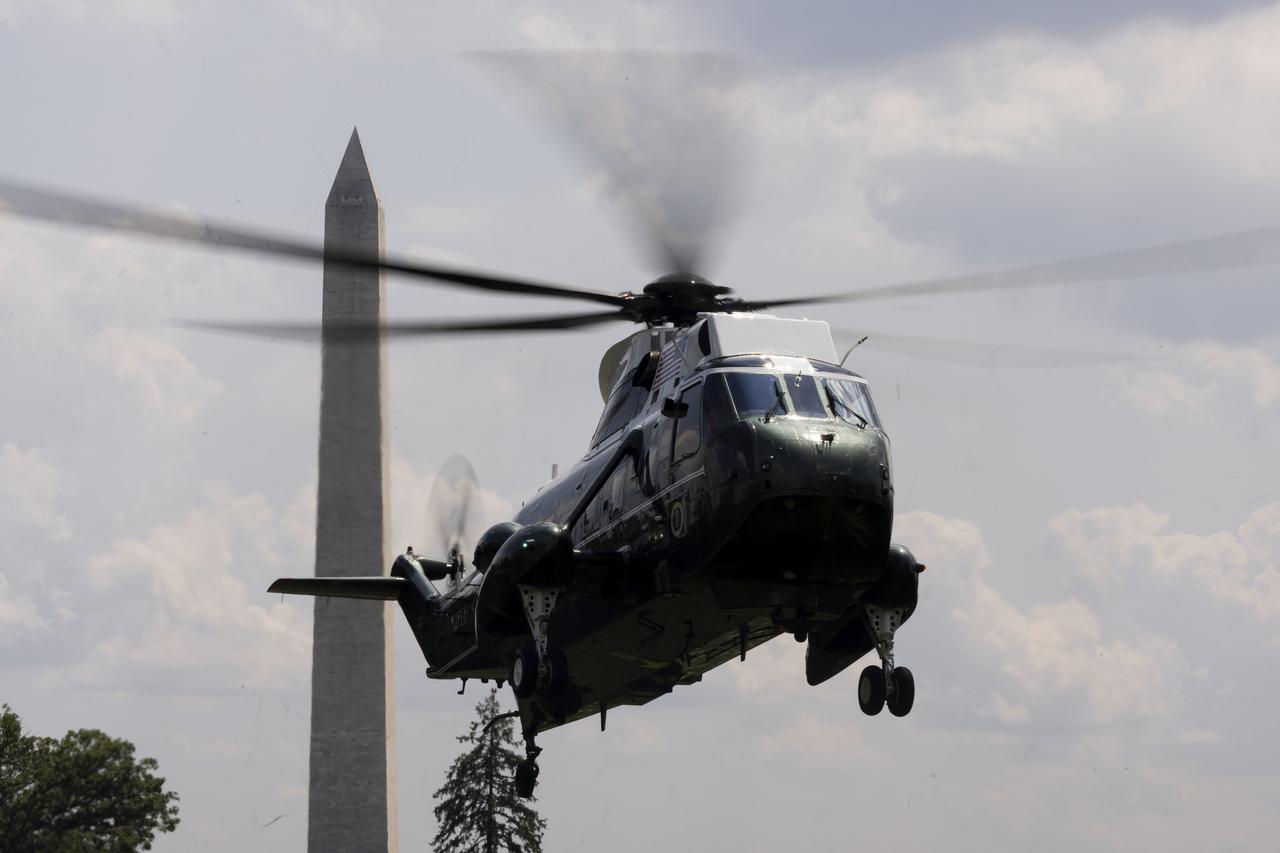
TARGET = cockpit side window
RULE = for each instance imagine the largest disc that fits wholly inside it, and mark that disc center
(756, 394)
(688, 430)
(851, 401)
(805, 396)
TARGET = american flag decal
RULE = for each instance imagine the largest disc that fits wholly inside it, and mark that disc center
(669, 363)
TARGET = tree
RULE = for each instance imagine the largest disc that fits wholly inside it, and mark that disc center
(83, 792)
(479, 811)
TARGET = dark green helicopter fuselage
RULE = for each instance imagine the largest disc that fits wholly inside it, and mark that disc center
(696, 534)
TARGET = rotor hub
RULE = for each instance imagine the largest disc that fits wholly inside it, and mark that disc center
(679, 297)
(679, 286)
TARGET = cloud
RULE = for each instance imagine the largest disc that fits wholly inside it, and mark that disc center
(1250, 368)
(1157, 391)
(31, 488)
(773, 672)
(812, 742)
(388, 27)
(171, 387)
(18, 615)
(1005, 712)
(1029, 147)
(341, 24)
(183, 607)
(1239, 570)
(860, 36)
(1009, 663)
(1025, 147)
(153, 14)
(1055, 657)
(1210, 378)
(1200, 736)
(640, 737)
(1029, 94)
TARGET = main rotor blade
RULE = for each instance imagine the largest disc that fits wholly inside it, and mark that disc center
(658, 123)
(1242, 249)
(356, 332)
(990, 354)
(64, 208)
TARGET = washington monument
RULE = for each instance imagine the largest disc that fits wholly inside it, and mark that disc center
(352, 806)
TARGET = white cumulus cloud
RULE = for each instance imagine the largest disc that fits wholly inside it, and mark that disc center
(1239, 569)
(188, 604)
(18, 614)
(31, 488)
(1207, 378)
(813, 742)
(170, 386)
(1050, 651)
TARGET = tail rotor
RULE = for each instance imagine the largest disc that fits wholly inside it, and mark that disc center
(452, 512)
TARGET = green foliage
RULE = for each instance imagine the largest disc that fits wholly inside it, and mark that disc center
(83, 792)
(479, 811)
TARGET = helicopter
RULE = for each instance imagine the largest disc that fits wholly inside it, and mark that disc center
(738, 485)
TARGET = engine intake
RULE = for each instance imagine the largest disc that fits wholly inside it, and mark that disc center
(540, 555)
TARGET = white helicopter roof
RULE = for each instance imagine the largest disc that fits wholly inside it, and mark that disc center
(715, 336)
(735, 334)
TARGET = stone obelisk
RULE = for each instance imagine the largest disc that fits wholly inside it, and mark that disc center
(352, 805)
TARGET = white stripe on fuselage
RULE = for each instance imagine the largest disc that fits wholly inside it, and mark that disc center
(677, 484)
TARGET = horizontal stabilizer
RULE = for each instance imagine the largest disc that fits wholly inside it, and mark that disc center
(383, 588)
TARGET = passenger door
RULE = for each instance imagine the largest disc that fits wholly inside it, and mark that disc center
(686, 433)
(683, 511)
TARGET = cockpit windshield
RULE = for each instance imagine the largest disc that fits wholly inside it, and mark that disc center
(756, 394)
(800, 395)
(850, 401)
(805, 396)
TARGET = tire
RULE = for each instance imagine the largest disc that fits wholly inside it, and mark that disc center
(871, 691)
(526, 779)
(904, 692)
(524, 670)
(558, 672)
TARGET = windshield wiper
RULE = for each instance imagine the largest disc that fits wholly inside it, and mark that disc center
(831, 395)
(776, 403)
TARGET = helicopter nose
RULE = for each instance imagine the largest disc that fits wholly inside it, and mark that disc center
(846, 462)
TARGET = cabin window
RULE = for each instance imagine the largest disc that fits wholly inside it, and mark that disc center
(851, 401)
(805, 396)
(688, 430)
(624, 404)
(756, 394)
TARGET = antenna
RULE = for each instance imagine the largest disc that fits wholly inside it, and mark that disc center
(862, 340)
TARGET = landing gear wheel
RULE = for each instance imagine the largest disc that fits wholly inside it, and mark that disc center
(871, 690)
(557, 671)
(526, 778)
(903, 695)
(524, 670)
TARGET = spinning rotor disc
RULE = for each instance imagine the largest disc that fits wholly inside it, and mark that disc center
(452, 511)
(662, 128)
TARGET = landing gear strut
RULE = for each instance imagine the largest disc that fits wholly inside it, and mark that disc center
(526, 778)
(540, 665)
(886, 684)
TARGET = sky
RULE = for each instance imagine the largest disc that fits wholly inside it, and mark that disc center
(1094, 642)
